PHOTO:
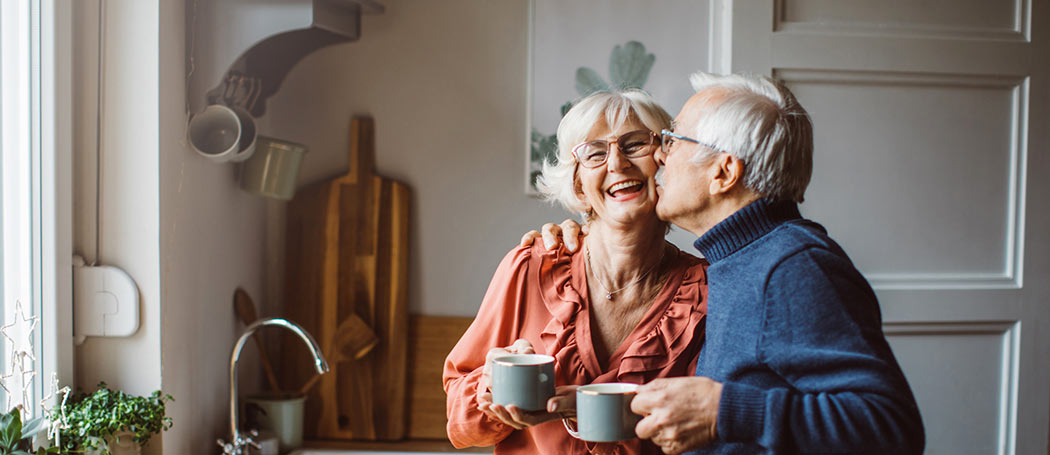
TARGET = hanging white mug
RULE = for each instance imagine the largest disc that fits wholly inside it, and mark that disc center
(248, 136)
(215, 133)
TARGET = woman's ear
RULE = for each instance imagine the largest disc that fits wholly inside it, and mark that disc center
(577, 190)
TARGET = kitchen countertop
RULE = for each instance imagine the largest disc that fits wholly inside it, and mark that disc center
(415, 446)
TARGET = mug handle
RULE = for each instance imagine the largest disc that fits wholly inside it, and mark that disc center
(572, 432)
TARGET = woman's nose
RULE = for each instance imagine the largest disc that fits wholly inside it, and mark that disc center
(660, 156)
(617, 161)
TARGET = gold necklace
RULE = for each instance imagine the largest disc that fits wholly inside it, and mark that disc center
(608, 293)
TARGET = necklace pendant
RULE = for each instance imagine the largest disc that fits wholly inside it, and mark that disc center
(608, 296)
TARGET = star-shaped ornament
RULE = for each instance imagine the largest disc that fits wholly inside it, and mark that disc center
(26, 385)
(53, 391)
(5, 380)
(20, 332)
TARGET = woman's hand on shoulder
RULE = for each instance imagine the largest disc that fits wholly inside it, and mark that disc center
(554, 234)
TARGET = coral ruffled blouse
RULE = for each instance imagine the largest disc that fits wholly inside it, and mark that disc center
(541, 296)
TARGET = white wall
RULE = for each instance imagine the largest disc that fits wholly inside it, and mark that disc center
(130, 203)
(211, 241)
(130, 200)
(446, 84)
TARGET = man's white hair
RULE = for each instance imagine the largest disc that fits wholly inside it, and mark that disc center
(557, 183)
(759, 121)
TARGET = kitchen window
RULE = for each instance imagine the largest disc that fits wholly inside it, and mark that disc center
(35, 195)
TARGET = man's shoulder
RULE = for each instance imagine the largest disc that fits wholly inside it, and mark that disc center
(806, 250)
(802, 246)
(800, 235)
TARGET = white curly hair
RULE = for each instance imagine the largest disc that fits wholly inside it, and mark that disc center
(759, 121)
(557, 183)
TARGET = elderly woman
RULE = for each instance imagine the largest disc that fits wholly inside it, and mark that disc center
(630, 309)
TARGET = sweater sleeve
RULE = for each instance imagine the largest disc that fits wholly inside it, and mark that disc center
(822, 335)
(496, 325)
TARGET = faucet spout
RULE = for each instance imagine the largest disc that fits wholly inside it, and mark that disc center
(320, 364)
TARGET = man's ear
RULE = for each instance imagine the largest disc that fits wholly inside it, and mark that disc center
(728, 172)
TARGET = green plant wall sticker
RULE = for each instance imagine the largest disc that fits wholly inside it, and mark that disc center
(629, 67)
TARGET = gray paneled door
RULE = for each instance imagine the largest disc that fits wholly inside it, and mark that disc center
(932, 169)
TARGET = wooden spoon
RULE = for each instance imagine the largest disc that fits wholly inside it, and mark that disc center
(245, 308)
(352, 340)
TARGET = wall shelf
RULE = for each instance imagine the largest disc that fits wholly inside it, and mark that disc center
(264, 39)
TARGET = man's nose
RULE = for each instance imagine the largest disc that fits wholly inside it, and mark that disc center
(660, 156)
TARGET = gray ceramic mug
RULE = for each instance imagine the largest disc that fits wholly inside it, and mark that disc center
(603, 412)
(523, 380)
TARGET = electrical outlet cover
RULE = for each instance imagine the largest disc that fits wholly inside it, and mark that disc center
(105, 302)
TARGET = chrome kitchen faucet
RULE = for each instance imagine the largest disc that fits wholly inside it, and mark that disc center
(238, 441)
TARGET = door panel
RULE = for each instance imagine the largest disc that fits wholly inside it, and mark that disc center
(893, 161)
(931, 169)
(957, 18)
(968, 366)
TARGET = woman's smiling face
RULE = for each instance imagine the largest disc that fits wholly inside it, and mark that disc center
(622, 190)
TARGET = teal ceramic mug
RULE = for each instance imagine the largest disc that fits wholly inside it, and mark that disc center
(523, 380)
(603, 412)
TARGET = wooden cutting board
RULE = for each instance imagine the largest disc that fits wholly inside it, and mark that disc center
(346, 252)
(430, 340)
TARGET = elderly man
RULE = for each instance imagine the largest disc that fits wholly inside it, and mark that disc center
(795, 360)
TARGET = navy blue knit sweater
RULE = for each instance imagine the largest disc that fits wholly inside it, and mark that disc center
(794, 333)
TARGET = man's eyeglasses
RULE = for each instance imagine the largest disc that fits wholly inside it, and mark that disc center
(632, 145)
(668, 138)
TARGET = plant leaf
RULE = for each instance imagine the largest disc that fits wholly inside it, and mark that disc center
(11, 426)
(7, 440)
(588, 81)
(33, 426)
(565, 108)
(629, 65)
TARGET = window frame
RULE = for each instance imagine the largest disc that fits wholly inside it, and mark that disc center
(37, 61)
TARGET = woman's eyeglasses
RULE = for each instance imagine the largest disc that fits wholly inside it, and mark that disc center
(634, 144)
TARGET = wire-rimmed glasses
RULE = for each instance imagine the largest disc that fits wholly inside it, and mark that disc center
(667, 139)
(634, 144)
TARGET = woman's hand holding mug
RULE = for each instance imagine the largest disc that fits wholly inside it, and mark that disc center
(511, 415)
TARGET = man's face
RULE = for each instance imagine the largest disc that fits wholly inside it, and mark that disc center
(682, 184)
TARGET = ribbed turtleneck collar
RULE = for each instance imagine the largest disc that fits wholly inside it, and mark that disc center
(743, 227)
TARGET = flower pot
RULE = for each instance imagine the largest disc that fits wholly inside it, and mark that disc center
(123, 443)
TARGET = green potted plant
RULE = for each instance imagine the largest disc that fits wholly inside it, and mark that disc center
(111, 421)
(17, 439)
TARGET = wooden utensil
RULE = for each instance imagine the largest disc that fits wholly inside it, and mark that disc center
(353, 340)
(245, 309)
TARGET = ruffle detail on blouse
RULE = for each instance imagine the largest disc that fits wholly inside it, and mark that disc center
(563, 302)
(683, 314)
(655, 350)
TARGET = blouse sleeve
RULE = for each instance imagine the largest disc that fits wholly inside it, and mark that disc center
(497, 324)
